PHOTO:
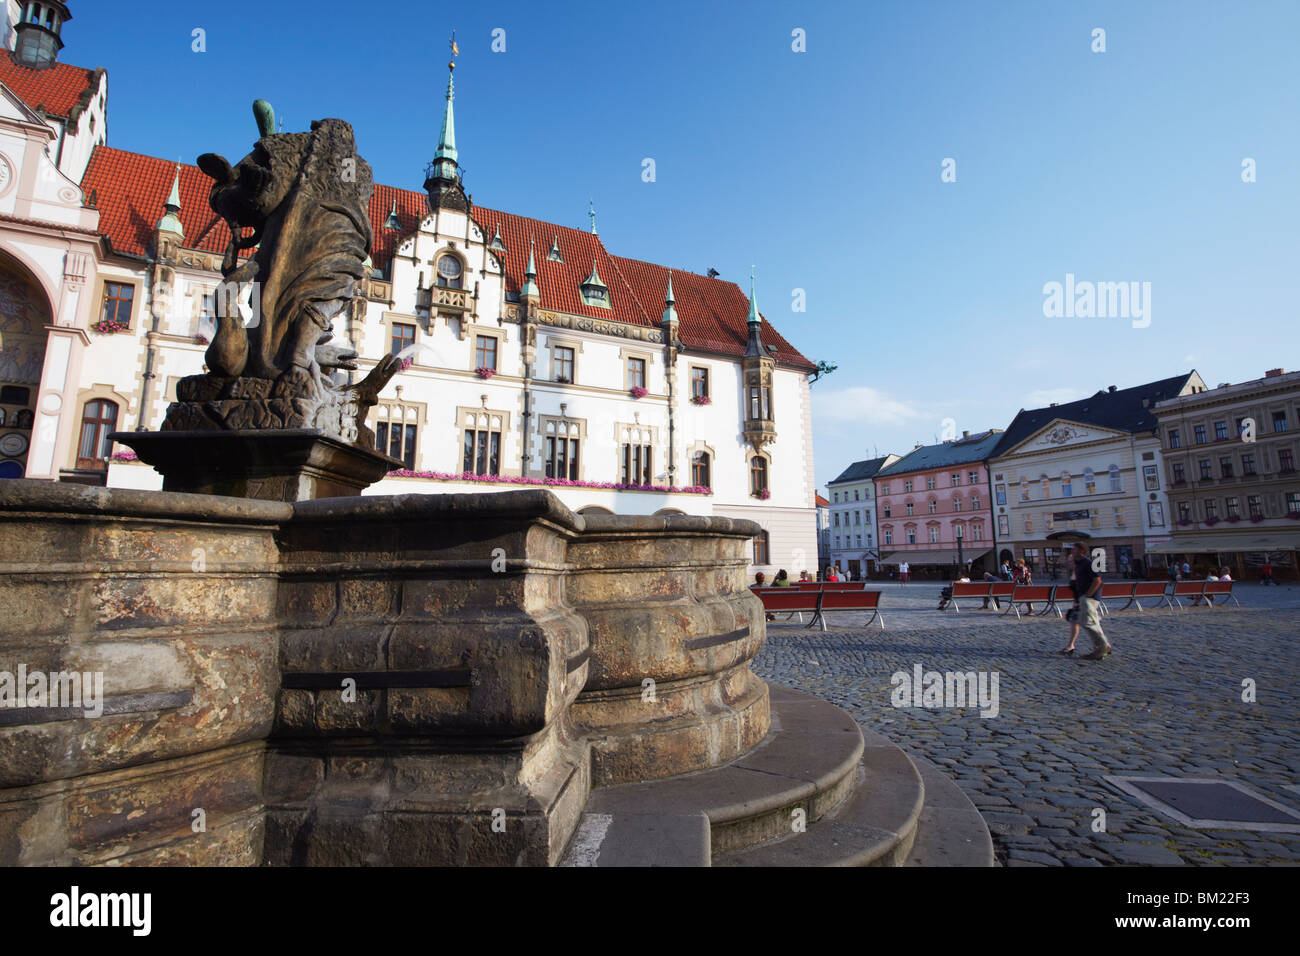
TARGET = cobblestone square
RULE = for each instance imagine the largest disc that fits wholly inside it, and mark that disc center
(1169, 702)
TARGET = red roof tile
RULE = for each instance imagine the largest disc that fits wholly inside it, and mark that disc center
(130, 190)
(55, 89)
(822, 502)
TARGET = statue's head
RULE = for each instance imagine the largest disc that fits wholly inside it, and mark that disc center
(322, 164)
(249, 192)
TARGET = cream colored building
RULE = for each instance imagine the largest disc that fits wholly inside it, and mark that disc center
(1085, 471)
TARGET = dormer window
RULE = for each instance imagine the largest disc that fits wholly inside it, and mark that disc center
(450, 272)
(496, 245)
(594, 291)
(554, 254)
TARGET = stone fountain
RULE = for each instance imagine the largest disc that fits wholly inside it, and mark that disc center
(321, 678)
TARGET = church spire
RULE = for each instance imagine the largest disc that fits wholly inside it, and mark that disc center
(442, 177)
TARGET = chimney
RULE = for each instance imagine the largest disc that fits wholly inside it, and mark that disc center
(1273, 373)
(1053, 405)
(1110, 388)
(965, 434)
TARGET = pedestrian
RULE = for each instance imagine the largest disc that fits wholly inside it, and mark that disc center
(1187, 570)
(1266, 573)
(803, 576)
(1072, 615)
(782, 579)
(904, 571)
(1088, 584)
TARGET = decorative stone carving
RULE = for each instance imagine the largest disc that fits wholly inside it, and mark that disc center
(305, 198)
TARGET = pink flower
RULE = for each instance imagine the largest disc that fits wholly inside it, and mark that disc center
(639, 392)
(485, 372)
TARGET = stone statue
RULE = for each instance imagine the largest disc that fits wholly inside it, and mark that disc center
(304, 196)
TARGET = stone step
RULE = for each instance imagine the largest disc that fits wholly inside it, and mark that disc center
(951, 831)
(805, 768)
(876, 826)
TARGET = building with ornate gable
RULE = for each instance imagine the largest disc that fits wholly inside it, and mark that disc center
(533, 354)
(1090, 471)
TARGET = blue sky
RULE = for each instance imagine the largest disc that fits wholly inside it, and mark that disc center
(823, 167)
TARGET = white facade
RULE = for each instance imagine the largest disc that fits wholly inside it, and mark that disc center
(430, 408)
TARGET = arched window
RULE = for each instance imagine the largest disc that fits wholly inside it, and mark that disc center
(1116, 484)
(700, 477)
(1067, 489)
(1089, 482)
(98, 418)
(450, 272)
(956, 503)
(757, 475)
(761, 541)
(974, 502)
(1045, 486)
(934, 506)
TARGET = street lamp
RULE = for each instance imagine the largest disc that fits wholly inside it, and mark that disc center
(961, 563)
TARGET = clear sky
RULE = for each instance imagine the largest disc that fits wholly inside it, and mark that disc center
(822, 168)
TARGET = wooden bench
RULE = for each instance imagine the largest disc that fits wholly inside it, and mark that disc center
(849, 600)
(1115, 591)
(969, 589)
(797, 600)
(1028, 593)
(831, 585)
(791, 600)
(1217, 589)
(1186, 589)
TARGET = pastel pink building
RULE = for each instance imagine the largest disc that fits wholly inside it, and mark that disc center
(934, 505)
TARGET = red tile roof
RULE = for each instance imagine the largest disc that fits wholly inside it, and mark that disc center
(130, 190)
(822, 502)
(55, 89)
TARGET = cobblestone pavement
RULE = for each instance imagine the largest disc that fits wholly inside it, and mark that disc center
(1168, 702)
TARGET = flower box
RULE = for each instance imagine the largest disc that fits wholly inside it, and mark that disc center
(404, 364)
(701, 400)
(561, 380)
(638, 392)
(1184, 522)
(109, 327)
(764, 494)
(124, 456)
(553, 482)
(1256, 519)
(1293, 515)
(1232, 519)
(1212, 521)
(484, 372)
(200, 340)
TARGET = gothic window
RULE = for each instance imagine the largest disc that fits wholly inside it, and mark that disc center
(397, 441)
(757, 475)
(562, 457)
(636, 464)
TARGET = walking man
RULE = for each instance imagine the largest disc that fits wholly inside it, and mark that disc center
(1087, 583)
(903, 570)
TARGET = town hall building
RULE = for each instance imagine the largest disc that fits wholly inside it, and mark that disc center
(531, 354)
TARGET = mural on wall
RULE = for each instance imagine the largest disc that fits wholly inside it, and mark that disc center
(24, 313)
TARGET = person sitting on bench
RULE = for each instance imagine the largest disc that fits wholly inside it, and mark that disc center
(946, 594)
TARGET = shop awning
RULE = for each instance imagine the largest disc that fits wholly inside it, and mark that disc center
(1271, 539)
(933, 557)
